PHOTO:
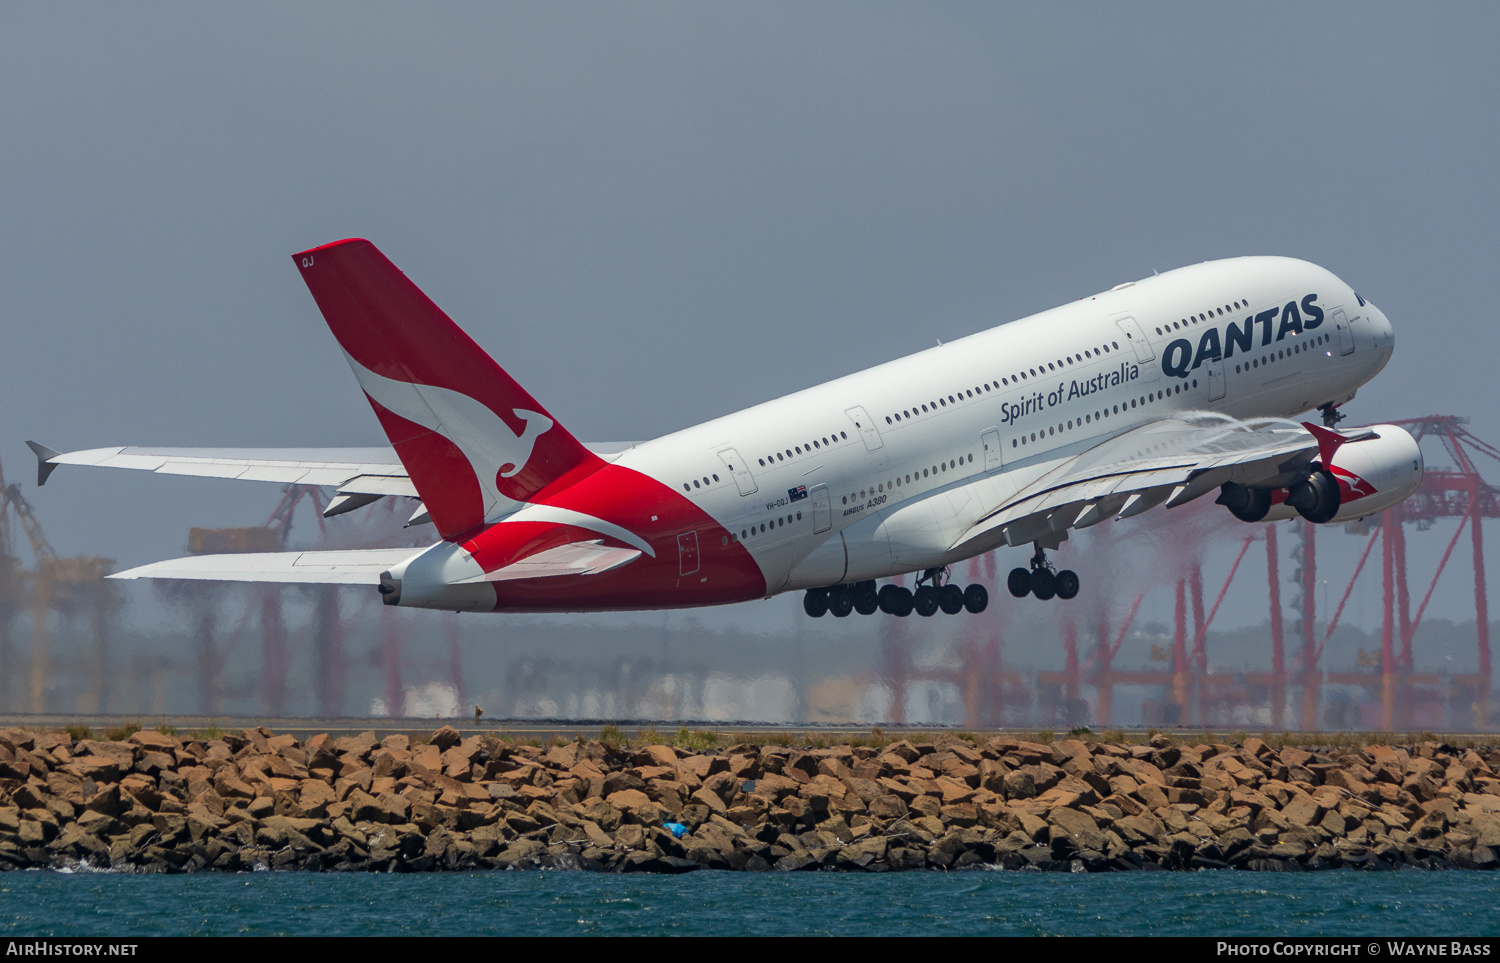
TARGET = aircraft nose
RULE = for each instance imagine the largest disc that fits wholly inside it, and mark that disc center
(1380, 325)
(1383, 336)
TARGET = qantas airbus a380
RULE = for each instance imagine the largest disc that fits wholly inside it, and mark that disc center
(1155, 392)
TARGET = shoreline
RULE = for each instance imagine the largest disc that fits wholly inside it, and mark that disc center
(157, 802)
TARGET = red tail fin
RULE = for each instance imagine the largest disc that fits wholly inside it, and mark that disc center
(473, 440)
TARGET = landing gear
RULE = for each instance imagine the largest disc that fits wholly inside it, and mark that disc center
(926, 601)
(937, 594)
(1331, 415)
(895, 600)
(840, 601)
(1042, 580)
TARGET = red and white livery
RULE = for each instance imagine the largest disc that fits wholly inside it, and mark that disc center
(1153, 393)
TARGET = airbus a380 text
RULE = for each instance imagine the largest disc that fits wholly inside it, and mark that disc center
(1153, 393)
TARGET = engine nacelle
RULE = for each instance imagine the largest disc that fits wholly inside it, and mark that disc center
(1372, 475)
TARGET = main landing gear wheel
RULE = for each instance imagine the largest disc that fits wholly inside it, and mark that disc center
(925, 601)
(866, 599)
(1040, 580)
(895, 600)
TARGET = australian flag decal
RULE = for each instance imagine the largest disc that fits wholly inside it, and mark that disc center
(797, 494)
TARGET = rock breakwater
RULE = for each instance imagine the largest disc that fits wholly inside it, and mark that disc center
(156, 802)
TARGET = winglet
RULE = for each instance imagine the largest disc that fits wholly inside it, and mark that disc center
(1329, 442)
(44, 466)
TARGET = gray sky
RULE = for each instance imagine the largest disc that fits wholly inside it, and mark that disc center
(656, 213)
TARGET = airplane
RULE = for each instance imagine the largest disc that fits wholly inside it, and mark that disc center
(1155, 392)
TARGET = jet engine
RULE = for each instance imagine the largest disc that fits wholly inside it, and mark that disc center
(1364, 477)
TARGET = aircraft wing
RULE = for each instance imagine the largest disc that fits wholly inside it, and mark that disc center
(1172, 461)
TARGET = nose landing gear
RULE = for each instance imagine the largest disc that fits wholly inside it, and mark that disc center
(1042, 580)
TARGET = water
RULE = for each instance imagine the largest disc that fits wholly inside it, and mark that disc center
(555, 903)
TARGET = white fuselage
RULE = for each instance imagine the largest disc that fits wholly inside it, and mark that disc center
(899, 460)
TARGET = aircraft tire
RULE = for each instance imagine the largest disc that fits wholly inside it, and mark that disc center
(815, 603)
(903, 604)
(866, 601)
(889, 596)
(840, 602)
(976, 598)
(1019, 582)
(925, 601)
(1067, 584)
(1043, 584)
(951, 599)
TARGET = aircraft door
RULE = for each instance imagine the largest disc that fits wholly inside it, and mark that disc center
(822, 509)
(865, 425)
(990, 438)
(687, 553)
(1346, 333)
(1216, 386)
(738, 470)
(1137, 339)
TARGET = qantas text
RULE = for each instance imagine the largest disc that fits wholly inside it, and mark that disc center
(1180, 357)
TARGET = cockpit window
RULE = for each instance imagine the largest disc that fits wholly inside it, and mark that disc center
(1359, 299)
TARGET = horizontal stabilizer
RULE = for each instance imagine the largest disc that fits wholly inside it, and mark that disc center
(358, 567)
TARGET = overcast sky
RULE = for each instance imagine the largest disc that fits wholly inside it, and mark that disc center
(652, 214)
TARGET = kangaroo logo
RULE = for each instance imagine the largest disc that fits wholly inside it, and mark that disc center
(1355, 486)
(536, 426)
(494, 451)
